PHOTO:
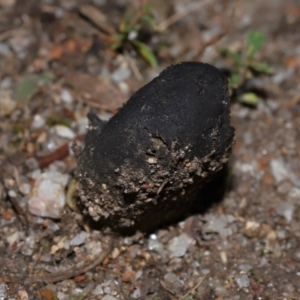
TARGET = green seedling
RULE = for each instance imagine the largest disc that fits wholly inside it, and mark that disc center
(246, 66)
(130, 29)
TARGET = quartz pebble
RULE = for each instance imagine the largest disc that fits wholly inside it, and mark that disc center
(219, 224)
(64, 131)
(136, 294)
(37, 122)
(66, 96)
(242, 281)
(78, 239)
(98, 290)
(47, 198)
(279, 170)
(285, 210)
(179, 245)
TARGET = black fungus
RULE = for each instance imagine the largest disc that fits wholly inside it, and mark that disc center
(144, 167)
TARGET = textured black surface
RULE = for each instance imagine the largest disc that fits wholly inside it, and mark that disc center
(145, 165)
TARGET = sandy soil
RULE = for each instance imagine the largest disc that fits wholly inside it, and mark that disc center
(56, 65)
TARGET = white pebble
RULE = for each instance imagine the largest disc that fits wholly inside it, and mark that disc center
(37, 122)
(13, 238)
(66, 96)
(78, 239)
(62, 296)
(285, 210)
(136, 294)
(155, 245)
(3, 290)
(47, 198)
(170, 277)
(12, 194)
(179, 245)
(25, 188)
(279, 170)
(98, 290)
(242, 281)
(64, 131)
(121, 74)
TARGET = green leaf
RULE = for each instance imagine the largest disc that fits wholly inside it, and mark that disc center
(30, 84)
(255, 40)
(248, 98)
(235, 56)
(145, 52)
(261, 68)
(118, 40)
(234, 80)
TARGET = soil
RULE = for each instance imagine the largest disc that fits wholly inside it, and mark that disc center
(57, 64)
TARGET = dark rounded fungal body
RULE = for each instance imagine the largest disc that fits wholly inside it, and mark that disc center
(144, 167)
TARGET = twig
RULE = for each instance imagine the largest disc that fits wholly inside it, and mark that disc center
(97, 18)
(133, 67)
(210, 42)
(193, 289)
(166, 288)
(176, 17)
(21, 215)
(58, 154)
(72, 272)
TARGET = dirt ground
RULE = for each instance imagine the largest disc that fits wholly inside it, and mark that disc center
(56, 64)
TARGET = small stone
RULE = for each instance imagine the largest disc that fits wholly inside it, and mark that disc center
(23, 295)
(115, 253)
(279, 170)
(252, 229)
(12, 194)
(242, 281)
(179, 245)
(37, 122)
(6, 82)
(223, 256)
(170, 277)
(136, 294)
(47, 198)
(121, 73)
(78, 239)
(66, 96)
(25, 188)
(205, 271)
(152, 160)
(64, 131)
(155, 245)
(219, 224)
(7, 104)
(62, 296)
(13, 238)
(3, 291)
(98, 290)
(245, 267)
(286, 210)
(4, 51)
